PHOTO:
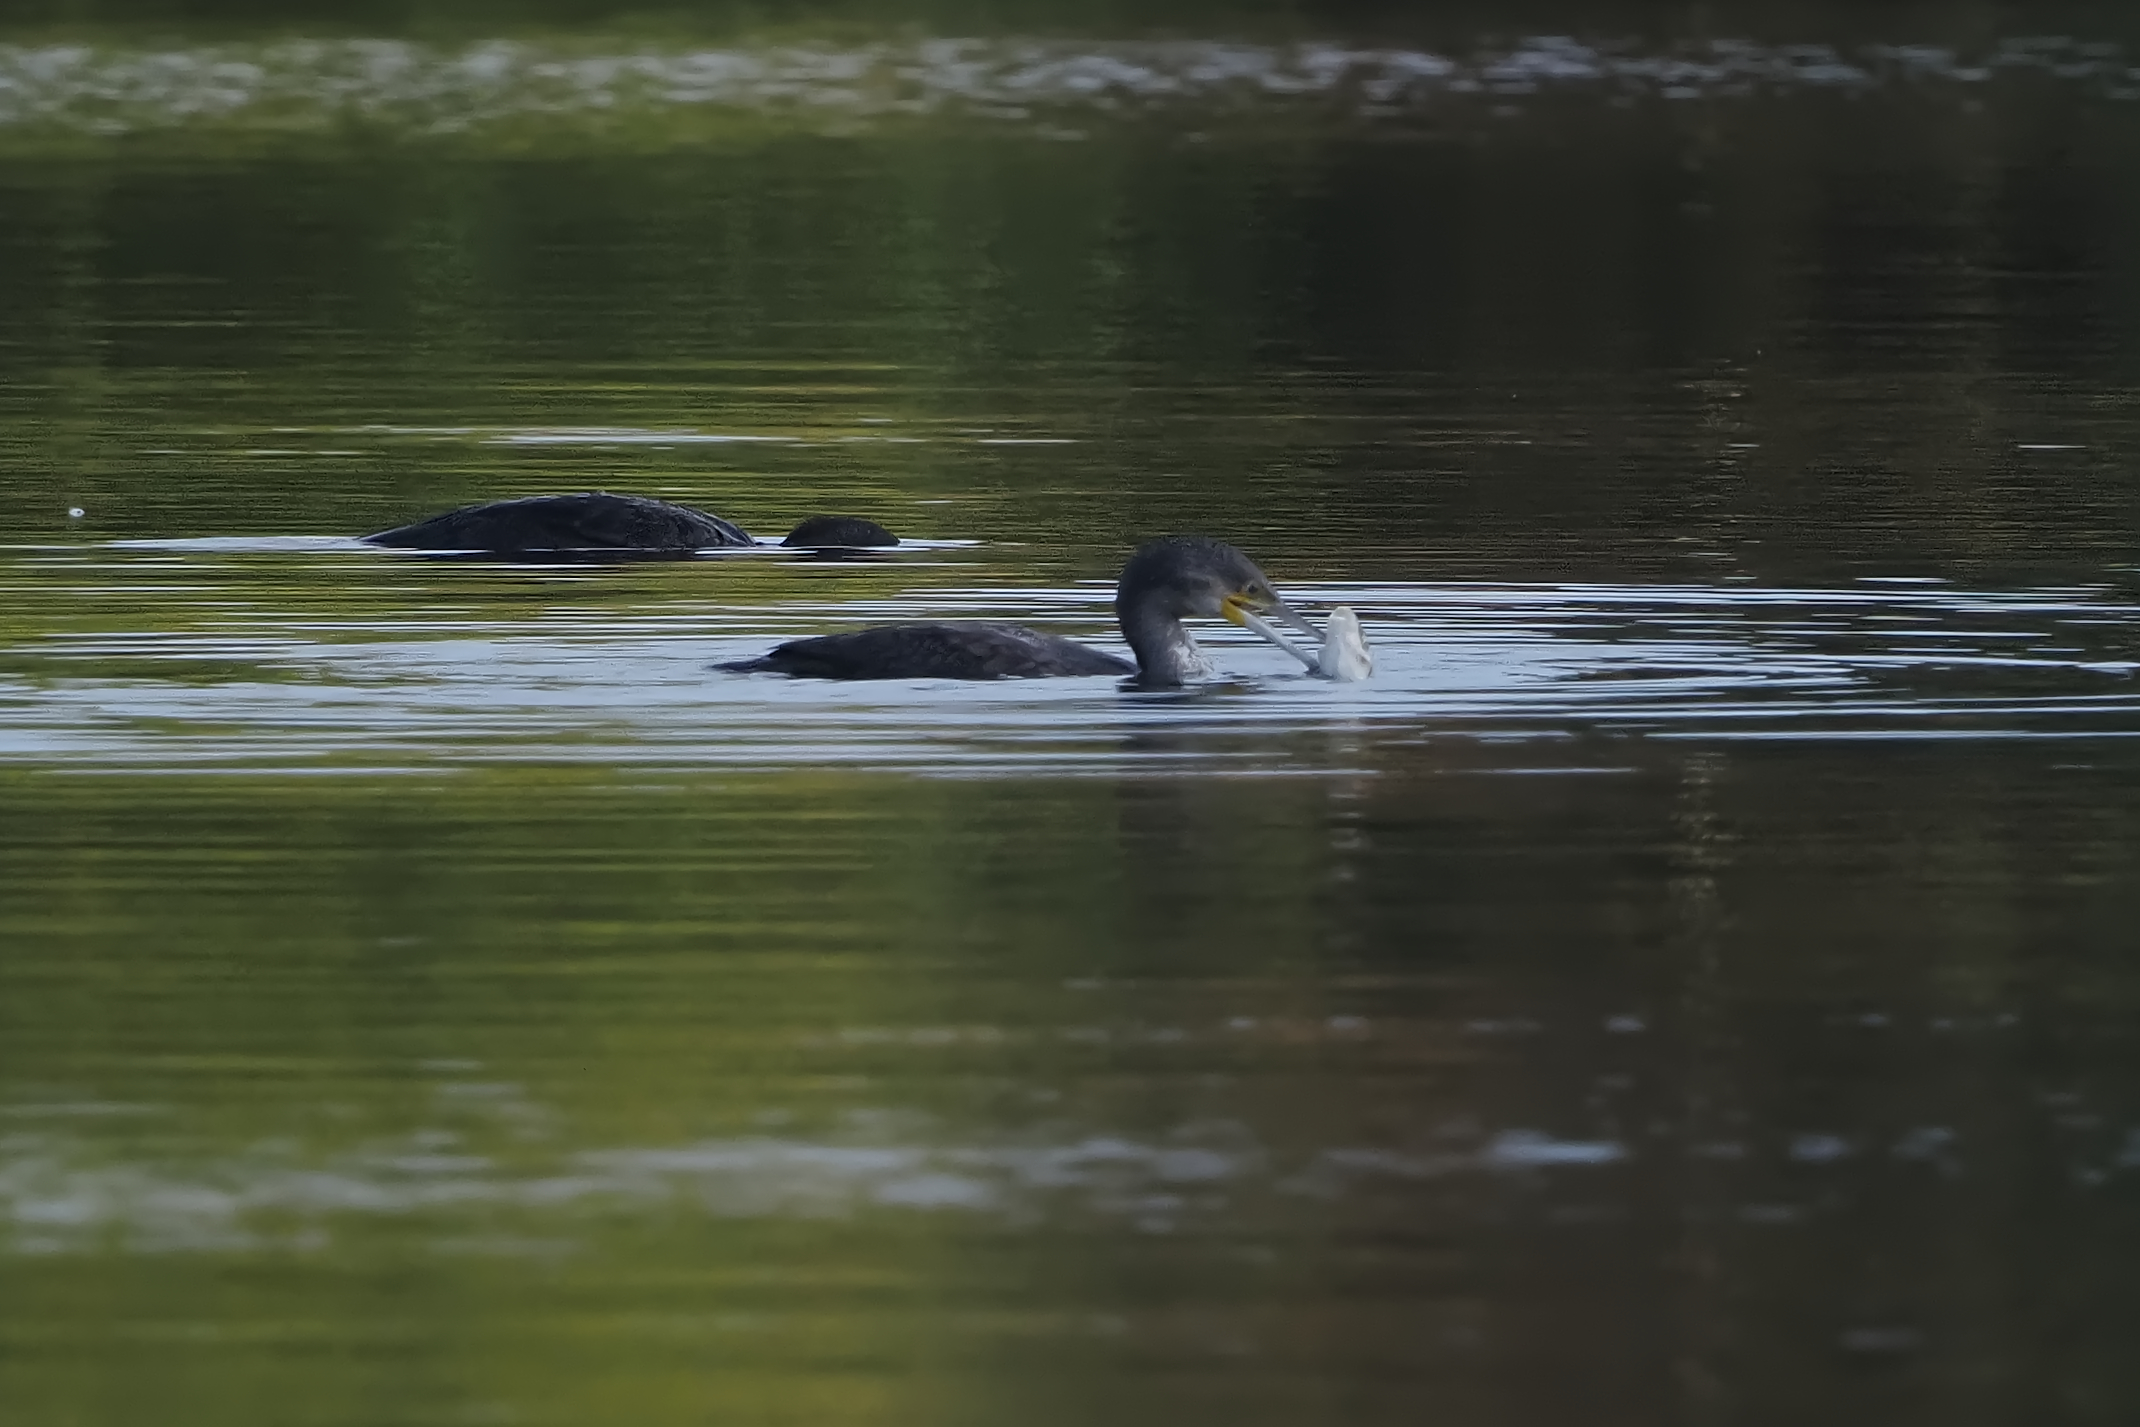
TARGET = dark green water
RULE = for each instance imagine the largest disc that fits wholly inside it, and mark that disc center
(1693, 981)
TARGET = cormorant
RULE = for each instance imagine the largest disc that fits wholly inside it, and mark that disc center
(1166, 581)
(839, 532)
(598, 521)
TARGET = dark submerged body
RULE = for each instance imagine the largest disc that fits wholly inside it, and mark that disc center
(602, 522)
(961, 649)
(595, 520)
(1165, 581)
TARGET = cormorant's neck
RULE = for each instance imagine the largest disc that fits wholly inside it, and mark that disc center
(1165, 652)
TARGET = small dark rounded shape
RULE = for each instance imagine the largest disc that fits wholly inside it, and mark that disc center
(839, 532)
(593, 521)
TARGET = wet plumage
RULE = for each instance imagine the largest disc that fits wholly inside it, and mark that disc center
(839, 532)
(602, 522)
(949, 649)
(595, 520)
(1165, 582)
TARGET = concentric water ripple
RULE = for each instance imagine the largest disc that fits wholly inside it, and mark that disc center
(1523, 661)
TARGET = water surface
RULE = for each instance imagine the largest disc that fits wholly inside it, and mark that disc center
(1692, 981)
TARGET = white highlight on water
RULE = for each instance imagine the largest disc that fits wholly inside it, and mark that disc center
(322, 86)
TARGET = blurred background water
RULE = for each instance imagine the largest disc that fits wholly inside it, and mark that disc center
(1692, 982)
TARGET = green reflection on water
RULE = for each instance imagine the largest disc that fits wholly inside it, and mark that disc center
(798, 1096)
(1561, 1074)
(216, 984)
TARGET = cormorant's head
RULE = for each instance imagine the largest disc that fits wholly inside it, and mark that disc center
(841, 532)
(1194, 576)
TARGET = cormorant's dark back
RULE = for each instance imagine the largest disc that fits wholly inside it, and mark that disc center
(601, 522)
(950, 649)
